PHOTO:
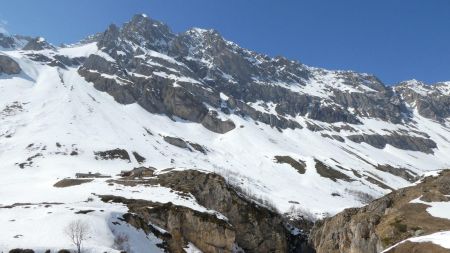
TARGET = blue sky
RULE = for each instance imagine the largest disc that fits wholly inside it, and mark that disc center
(393, 39)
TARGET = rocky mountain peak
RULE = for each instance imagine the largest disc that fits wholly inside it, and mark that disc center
(420, 87)
(147, 33)
(208, 36)
(412, 82)
(415, 85)
(37, 44)
(140, 33)
(6, 41)
(249, 77)
(11, 42)
(201, 42)
(109, 38)
(431, 101)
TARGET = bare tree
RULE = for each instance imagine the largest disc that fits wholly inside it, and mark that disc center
(78, 232)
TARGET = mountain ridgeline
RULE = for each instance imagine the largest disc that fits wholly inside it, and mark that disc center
(207, 65)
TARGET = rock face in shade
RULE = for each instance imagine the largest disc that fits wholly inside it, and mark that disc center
(13, 42)
(8, 66)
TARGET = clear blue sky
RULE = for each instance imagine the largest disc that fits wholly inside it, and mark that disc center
(393, 39)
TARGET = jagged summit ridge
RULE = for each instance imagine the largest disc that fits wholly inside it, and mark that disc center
(221, 63)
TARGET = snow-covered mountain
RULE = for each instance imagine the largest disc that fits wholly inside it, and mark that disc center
(284, 135)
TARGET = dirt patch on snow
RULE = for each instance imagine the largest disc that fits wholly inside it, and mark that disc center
(299, 165)
(67, 182)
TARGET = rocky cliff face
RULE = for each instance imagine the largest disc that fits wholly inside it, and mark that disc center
(180, 225)
(242, 222)
(386, 221)
(146, 57)
(430, 101)
(160, 69)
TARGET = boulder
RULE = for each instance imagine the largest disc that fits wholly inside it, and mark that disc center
(9, 66)
(213, 123)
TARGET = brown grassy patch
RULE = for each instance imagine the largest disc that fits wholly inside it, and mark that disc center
(299, 165)
(328, 172)
(67, 182)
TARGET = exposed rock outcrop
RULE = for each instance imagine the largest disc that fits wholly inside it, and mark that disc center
(8, 66)
(37, 44)
(364, 103)
(255, 228)
(6, 41)
(178, 142)
(406, 142)
(191, 146)
(13, 41)
(139, 172)
(205, 230)
(385, 221)
(157, 95)
(401, 172)
(328, 172)
(431, 101)
(215, 124)
(112, 154)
